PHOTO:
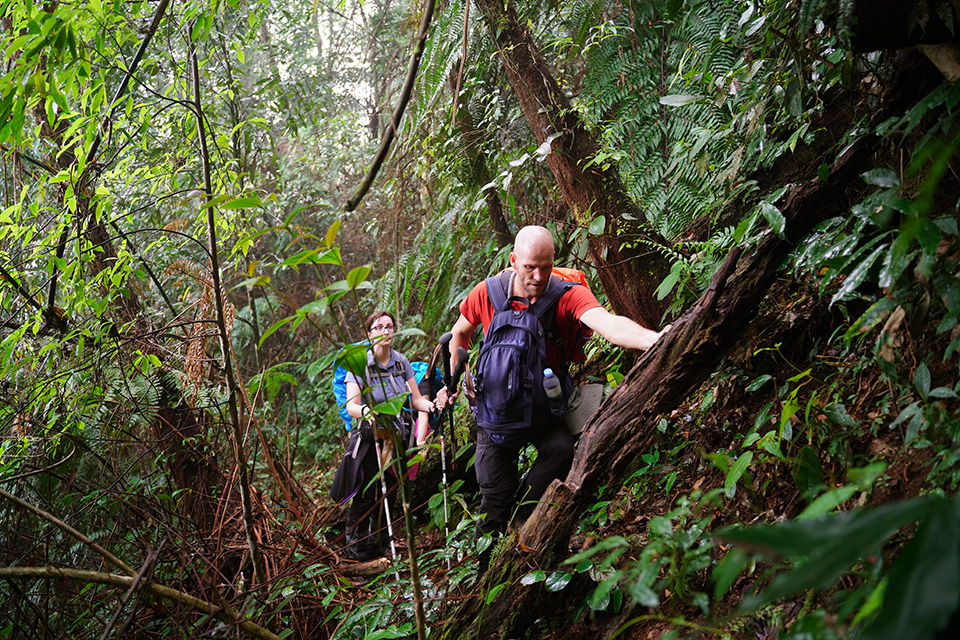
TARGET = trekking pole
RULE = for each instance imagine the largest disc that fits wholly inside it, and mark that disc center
(445, 358)
(455, 383)
(451, 386)
(386, 505)
(446, 511)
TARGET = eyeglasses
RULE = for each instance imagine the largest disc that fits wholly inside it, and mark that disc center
(382, 328)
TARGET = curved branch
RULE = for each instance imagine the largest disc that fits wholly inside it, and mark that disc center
(97, 577)
(24, 156)
(95, 145)
(47, 469)
(391, 131)
(108, 556)
(122, 89)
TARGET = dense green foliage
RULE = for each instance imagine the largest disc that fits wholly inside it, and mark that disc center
(151, 150)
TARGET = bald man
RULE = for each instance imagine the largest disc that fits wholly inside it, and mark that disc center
(577, 315)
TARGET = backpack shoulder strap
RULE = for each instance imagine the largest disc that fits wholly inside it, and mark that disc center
(546, 311)
(396, 366)
(551, 296)
(369, 376)
(498, 288)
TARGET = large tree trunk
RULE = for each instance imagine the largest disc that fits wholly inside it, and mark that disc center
(625, 425)
(589, 192)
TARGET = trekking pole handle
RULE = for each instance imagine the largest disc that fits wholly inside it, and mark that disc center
(461, 363)
(445, 356)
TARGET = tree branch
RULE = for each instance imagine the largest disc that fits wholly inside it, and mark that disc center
(179, 597)
(390, 132)
(108, 556)
(95, 145)
(255, 553)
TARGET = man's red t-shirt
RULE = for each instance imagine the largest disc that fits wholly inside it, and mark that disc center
(476, 308)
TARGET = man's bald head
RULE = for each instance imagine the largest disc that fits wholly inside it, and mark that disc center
(532, 257)
(533, 239)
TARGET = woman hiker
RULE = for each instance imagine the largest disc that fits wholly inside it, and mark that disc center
(389, 374)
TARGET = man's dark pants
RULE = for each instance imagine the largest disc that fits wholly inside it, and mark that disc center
(496, 467)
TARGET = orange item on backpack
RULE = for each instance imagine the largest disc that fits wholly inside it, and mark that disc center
(565, 273)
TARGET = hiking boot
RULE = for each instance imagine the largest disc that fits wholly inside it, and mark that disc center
(483, 561)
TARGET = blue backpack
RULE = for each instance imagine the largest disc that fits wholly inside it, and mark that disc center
(340, 389)
(509, 379)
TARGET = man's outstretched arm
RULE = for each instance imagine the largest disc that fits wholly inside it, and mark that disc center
(620, 330)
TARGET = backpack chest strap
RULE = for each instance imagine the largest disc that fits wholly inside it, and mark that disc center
(392, 373)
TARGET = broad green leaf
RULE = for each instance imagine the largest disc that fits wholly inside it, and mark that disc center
(307, 255)
(921, 380)
(599, 600)
(872, 603)
(393, 406)
(827, 502)
(668, 284)
(319, 306)
(898, 258)
(258, 281)
(583, 566)
(881, 178)
(831, 542)
(251, 202)
(857, 276)
(276, 325)
(838, 414)
(330, 256)
(923, 589)
(678, 100)
(495, 590)
(947, 225)
(736, 472)
(942, 392)
(597, 225)
(758, 382)
(774, 217)
(871, 317)
(947, 324)
(357, 276)
(864, 477)
(612, 542)
(908, 412)
(216, 200)
(929, 236)
(772, 446)
(793, 98)
(557, 580)
(795, 538)
(808, 473)
(533, 577)
(353, 358)
(332, 233)
(727, 570)
(918, 423)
